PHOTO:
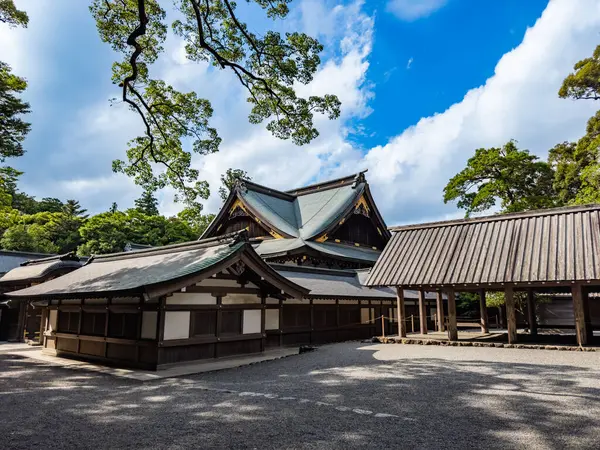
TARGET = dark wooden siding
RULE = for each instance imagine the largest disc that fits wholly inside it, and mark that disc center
(243, 222)
(359, 229)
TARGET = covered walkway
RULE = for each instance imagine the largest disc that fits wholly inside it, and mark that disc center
(548, 251)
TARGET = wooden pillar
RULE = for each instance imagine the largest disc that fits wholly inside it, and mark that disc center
(401, 312)
(263, 314)
(218, 324)
(422, 312)
(485, 323)
(531, 312)
(452, 328)
(440, 310)
(511, 315)
(583, 328)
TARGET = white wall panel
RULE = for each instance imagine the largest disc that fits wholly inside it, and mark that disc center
(191, 298)
(252, 319)
(272, 319)
(177, 325)
(149, 319)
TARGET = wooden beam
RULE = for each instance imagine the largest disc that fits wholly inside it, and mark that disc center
(422, 312)
(531, 318)
(401, 312)
(452, 329)
(485, 324)
(582, 329)
(511, 315)
(440, 311)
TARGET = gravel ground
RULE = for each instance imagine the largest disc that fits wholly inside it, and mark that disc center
(341, 396)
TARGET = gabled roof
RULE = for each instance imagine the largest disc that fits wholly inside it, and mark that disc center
(36, 270)
(273, 248)
(342, 284)
(304, 213)
(559, 245)
(158, 271)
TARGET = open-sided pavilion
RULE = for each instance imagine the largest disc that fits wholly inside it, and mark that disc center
(553, 250)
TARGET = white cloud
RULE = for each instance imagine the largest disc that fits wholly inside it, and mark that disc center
(409, 63)
(410, 10)
(520, 101)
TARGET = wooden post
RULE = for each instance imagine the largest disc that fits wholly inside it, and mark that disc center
(412, 323)
(511, 315)
(485, 324)
(382, 326)
(440, 310)
(401, 312)
(452, 329)
(531, 312)
(422, 312)
(583, 329)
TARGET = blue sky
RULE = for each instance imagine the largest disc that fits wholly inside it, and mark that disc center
(423, 83)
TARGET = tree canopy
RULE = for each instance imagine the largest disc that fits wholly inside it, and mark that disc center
(516, 178)
(147, 204)
(13, 128)
(584, 82)
(268, 66)
(228, 180)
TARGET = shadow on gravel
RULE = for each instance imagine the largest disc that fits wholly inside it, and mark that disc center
(324, 399)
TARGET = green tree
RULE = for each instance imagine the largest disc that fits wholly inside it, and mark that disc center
(50, 204)
(147, 203)
(519, 180)
(10, 15)
(228, 180)
(13, 128)
(269, 66)
(584, 82)
(104, 233)
(197, 221)
(72, 208)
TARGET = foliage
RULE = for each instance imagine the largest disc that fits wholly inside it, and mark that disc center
(109, 232)
(228, 180)
(9, 14)
(197, 221)
(147, 204)
(268, 66)
(584, 82)
(13, 128)
(73, 208)
(515, 177)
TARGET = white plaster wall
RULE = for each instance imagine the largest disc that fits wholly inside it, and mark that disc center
(240, 299)
(296, 301)
(52, 319)
(177, 325)
(149, 319)
(272, 319)
(191, 298)
(212, 282)
(272, 301)
(252, 319)
(319, 301)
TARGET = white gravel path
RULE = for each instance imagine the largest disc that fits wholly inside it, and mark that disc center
(341, 396)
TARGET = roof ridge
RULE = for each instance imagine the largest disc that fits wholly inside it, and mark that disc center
(230, 238)
(329, 184)
(70, 256)
(499, 217)
(265, 189)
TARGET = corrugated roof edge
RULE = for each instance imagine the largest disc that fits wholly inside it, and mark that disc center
(231, 239)
(330, 184)
(498, 217)
(19, 253)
